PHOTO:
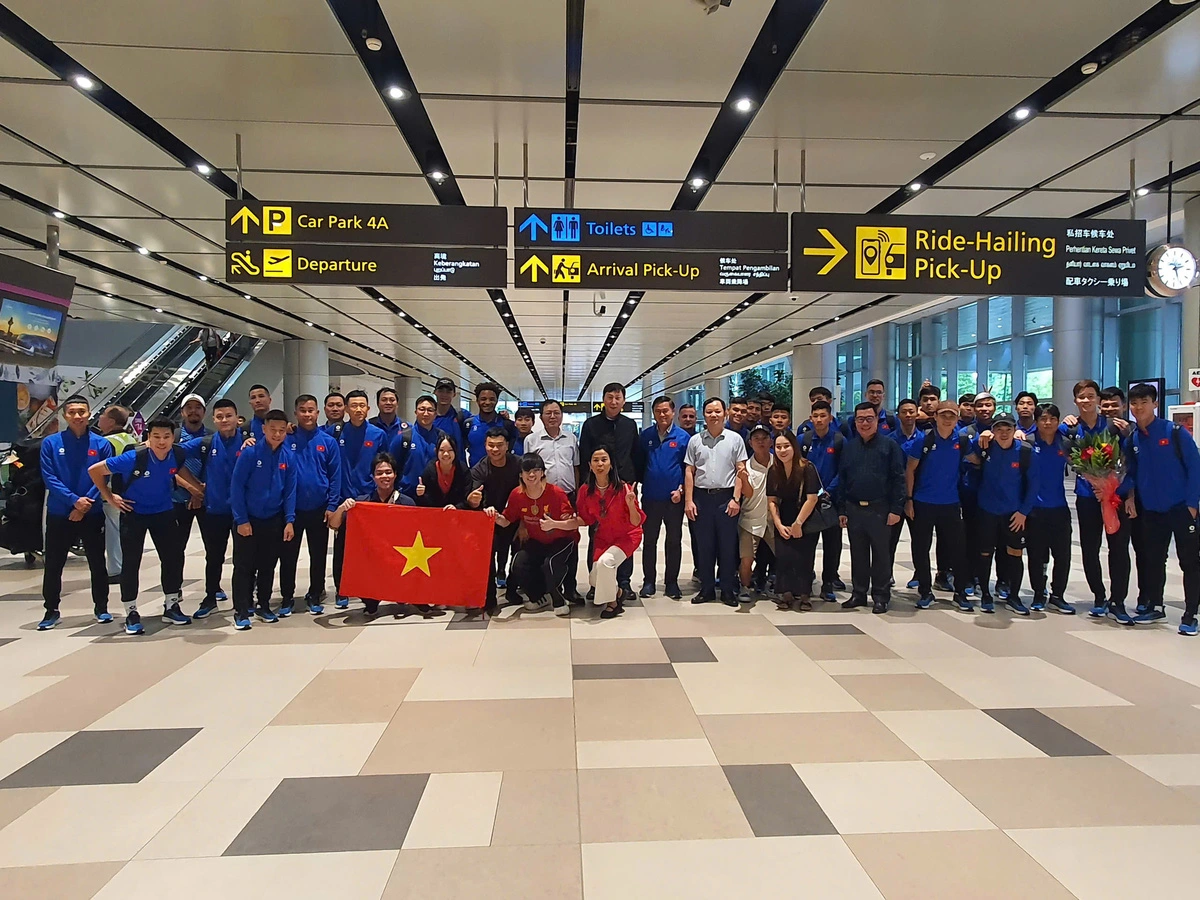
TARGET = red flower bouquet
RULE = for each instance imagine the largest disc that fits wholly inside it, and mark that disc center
(1099, 461)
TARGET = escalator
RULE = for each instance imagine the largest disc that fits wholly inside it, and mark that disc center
(141, 382)
(209, 382)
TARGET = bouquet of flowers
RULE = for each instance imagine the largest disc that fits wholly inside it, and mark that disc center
(1099, 461)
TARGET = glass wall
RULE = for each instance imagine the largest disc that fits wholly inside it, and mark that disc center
(1148, 340)
(852, 370)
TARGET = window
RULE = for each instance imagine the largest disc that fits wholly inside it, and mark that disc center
(1039, 363)
(968, 325)
(968, 379)
(999, 373)
(999, 317)
(852, 370)
(1039, 316)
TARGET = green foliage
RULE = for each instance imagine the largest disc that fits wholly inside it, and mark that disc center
(752, 382)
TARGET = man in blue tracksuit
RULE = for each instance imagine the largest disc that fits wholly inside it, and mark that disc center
(822, 446)
(1049, 526)
(360, 442)
(260, 404)
(1008, 487)
(476, 427)
(664, 445)
(318, 462)
(422, 441)
(888, 423)
(388, 420)
(188, 506)
(142, 490)
(263, 492)
(73, 509)
(1164, 475)
(335, 414)
(217, 454)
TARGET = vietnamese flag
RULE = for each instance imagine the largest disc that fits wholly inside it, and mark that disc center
(406, 554)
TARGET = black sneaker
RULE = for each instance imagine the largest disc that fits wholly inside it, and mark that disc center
(704, 598)
(943, 582)
(854, 602)
(730, 600)
(591, 595)
(673, 592)
(879, 607)
(1062, 605)
(649, 590)
(838, 584)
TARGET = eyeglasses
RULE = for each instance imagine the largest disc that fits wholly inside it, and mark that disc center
(864, 418)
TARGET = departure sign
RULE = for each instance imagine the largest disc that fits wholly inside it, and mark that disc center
(272, 221)
(341, 264)
(949, 254)
(649, 229)
(643, 270)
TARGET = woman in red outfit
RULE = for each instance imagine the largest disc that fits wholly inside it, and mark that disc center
(612, 506)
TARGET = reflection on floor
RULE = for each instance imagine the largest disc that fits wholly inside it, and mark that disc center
(676, 752)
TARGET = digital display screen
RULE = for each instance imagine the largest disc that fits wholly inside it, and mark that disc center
(29, 331)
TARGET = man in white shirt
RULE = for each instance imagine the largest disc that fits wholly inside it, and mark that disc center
(559, 450)
(712, 490)
(754, 524)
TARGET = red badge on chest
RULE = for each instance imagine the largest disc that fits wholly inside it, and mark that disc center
(1015, 465)
(368, 443)
(673, 444)
(1162, 442)
(320, 448)
(92, 452)
(282, 466)
(829, 450)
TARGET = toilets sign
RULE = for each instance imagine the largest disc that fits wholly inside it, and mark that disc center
(634, 229)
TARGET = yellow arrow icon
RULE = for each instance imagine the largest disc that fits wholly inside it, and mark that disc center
(835, 251)
(534, 263)
(244, 216)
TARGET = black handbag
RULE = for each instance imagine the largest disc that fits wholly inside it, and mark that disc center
(823, 516)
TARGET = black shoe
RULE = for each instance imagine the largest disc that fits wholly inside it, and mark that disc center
(576, 599)
(114, 579)
(371, 608)
(673, 592)
(854, 602)
(591, 595)
(612, 612)
(730, 600)
(944, 582)
(879, 606)
(649, 590)
(704, 598)
(838, 584)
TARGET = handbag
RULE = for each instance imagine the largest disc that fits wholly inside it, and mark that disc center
(824, 515)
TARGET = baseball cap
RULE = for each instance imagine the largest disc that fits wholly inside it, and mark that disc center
(1004, 419)
(984, 395)
(443, 383)
(190, 397)
(945, 405)
(760, 427)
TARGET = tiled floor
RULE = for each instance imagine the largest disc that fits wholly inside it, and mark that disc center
(676, 752)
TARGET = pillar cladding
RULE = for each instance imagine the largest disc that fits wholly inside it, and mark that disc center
(1189, 353)
(713, 387)
(806, 375)
(408, 389)
(305, 371)
(1077, 322)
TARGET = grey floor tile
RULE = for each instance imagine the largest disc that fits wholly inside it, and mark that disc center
(331, 815)
(687, 650)
(819, 629)
(463, 622)
(4, 641)
(101, 757)
(1051, 737)
(776, 802)
(624, 670)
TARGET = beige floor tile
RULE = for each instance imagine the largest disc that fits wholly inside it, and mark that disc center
(634, 710)
(1134, 681)
(404, 647)
(72, 704)
(1065, 792)
(665, 804)
(339, 696)
(537, 807)
(71, 882)
(476, 736)
(301, 661)
(916, 640)
(117, 820)
(14, 690)
(984, 865)
(1176, 769)
(956, 734)
(457, 809)
(205, 755)
(301, 876)
(586, 624)
(498, 873)
(614, 651)
(802, 737)
(305, 751)
(868, 667)
(23, 748)
(1069, 854)
(1158, 648)
(1134, 730)
(644, 754)
(444, 682)
(841, 646)
(1016, 682)
(531, 647)
(877, 797)
(15, 802)
(810, 866)
(733, 688)
(776, 650)
(730, 624)
(212, 819)
(880, 692)
(36, 657)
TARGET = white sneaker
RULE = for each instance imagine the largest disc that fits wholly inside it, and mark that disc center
(563, 611)
(538, 605)
(531, 605)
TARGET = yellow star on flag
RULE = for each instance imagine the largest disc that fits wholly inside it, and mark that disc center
(417, 556)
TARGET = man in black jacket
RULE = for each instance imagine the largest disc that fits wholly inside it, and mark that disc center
(620, 434)
(491, 480)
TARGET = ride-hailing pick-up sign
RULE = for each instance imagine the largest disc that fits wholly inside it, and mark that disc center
(274, 242)
(967, 255)
(644, 249)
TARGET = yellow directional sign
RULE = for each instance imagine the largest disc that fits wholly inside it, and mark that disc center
(565, 269)
(244, 217)
(881, 252)
(277, 220)
(533, 265)
(835, 251)
(277, 263)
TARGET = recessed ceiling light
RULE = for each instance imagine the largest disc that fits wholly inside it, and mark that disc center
(84, 83)
(837, 318)
(245, 296)
(1142, 192)
(697, 183)
(1089, 68)
(743, 104)
(59, 215)
(204, 168)
(158, 309)
(143, 251)
(202, 277)
(395, 92)
(438, 175)
(789, 340)
(915, 186)
(727, 318)
(309, 324)
(1021, 113)
(928, 155)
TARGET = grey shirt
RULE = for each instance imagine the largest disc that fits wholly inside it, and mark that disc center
(715, 459)
(560, 454)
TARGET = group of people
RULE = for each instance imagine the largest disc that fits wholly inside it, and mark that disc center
(758, 498)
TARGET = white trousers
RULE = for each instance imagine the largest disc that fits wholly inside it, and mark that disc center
(603, 576)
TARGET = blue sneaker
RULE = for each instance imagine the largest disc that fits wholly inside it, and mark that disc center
(285, 609)
(1098, 610)
(913, 585)
(828, 594)
(925, 601)
(969, 591)
(173, 615)
(964, 604)
(52, 619)
(1015, 604)
(1062, 605)
(501, 582)
(1118, 613)
(314, 607)
(103, 617)
(241, 624)
(1188, 628)
(133, 623)
(1142, 609)
(1152, 614)
(205, 609)
(1002, 590)
(987, 605)
(264, 613)
(342, 602)
(221, 598)
(1039, 603)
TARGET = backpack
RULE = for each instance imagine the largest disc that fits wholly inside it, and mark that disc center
(810, 437)
(206, 443)
(964, 447)
(141, 464)
(1175, 429)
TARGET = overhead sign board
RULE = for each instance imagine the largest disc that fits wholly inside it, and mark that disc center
(634, 229)
(340, 264)
(637, 270)
(968, 255)
(288, 221)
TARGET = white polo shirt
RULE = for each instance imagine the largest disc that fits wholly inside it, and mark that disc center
(560, 454)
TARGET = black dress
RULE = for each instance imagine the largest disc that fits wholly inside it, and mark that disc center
(434, 496)
(795, 556)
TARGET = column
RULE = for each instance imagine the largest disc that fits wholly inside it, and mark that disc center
(1189, 353)
(879, 352)
(305, 371)
(408, 389)
(806, 375)
(714, 387)
(647, 401)
(1077, 322)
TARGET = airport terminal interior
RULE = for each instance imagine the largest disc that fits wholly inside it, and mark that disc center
(599, 203)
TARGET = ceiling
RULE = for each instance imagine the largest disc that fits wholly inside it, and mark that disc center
(619, 112)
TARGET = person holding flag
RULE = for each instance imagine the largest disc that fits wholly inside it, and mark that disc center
(360, 441)
(444, 483)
